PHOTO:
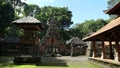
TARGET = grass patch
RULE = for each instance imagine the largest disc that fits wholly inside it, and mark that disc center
(53, 65)
(92, 65)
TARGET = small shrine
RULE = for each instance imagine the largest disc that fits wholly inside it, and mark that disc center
(75, 46)
(29, 41)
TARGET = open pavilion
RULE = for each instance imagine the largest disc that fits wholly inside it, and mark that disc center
(109, 33)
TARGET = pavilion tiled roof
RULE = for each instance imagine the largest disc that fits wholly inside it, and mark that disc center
(114, 10)
(109, 26)
(28, 19)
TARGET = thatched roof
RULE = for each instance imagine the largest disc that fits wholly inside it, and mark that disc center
(76, 41)
(28, 19)
(28, 23)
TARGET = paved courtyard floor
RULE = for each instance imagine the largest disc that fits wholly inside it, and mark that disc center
(81, 60)
(54, 62)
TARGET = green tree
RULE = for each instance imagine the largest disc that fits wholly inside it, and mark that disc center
(31, 9)
(112, 3)
(62, 14)
(88, 26)
(8, 13)
(13, 31)
(6, 16)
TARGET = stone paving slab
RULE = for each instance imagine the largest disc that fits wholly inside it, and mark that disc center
(82, 60)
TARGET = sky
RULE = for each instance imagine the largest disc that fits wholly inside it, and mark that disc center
(81, 9)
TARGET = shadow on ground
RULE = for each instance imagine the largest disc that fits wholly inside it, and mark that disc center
(52, 64)
(45, 61)
(52, 61)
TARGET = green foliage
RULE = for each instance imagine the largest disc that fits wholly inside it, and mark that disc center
(65, 34)
(31, 9)
(112, 3)
(13, 31)
(54, 65)
(13, 3)
(9, 12)
(88, 26)
(6, 16)
(63, 15)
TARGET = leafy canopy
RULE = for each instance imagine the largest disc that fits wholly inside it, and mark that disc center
(62, 14)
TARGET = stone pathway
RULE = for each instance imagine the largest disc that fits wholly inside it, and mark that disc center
(82, 60)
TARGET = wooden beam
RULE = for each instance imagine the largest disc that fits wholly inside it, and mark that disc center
(94, 49)
(111, 50)
(103, 55)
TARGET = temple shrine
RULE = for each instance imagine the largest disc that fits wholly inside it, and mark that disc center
(29, 41)
(52, 43)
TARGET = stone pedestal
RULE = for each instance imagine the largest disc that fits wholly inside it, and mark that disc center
(117, 47)
(103, 56)
(94, 55)
(116, 57)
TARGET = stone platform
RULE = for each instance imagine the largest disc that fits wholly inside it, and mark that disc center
(109, 62)
(26, 59)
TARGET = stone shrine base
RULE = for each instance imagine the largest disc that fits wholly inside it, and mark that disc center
(26, 59)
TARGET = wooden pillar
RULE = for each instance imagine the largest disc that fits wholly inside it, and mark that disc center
(94, 49)
(103, 55)
(111, 51)
(117, 53)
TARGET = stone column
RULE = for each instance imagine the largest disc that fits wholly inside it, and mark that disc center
(103, 55)
(89, 49)
(94, 49)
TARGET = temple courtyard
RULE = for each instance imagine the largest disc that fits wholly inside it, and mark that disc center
(53, 62)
